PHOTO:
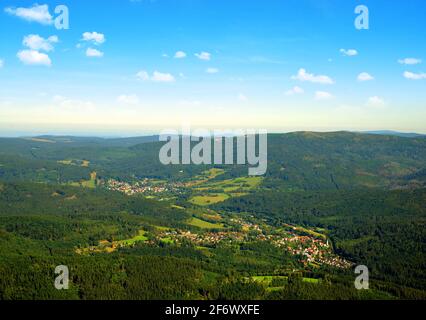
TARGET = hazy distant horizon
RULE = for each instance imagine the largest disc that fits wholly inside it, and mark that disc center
(146, 133)
(276, 65)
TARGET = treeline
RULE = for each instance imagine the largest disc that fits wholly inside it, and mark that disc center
(81, 217)
(384, 230)
(101, 277)
(296, 161)
(42, 199)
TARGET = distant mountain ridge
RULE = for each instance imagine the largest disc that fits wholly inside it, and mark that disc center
(296, 161)
(396, 133)
(111, 142)
(155, 138)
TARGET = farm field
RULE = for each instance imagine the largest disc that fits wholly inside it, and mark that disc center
(91, 183)
(211, 192)
(204, 224)
(208, 199)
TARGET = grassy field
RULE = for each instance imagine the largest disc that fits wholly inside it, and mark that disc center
(243, 184)
(160, 228)
(167, 240)
(209, 199)
(223, 190)
(308, 231)
(206, 176)
(310, 280)
(267, 280)
(128, 242)
(213, 173)
(91, 183)
(71, 162)
(109, 247)
(204, 224)
(177, 207)
(209, 216)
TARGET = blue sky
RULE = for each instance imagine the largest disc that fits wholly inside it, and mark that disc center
(128, 67)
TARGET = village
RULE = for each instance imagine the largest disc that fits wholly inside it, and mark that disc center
(145, 186)
(307, 249)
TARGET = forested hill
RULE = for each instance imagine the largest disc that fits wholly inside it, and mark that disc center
(296, 161)
(109, 204)
(382, 229)
(343, 160)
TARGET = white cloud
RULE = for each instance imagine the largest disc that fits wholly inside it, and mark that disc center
(35, 42)
(33, 57)
(142, 75)
(1, 63)
(53, 39)
(180, 55)
(323, 95)
(36, 13)
(242, 97)
(364, 76)
(156, 76)
(409, 61)
(212, 70)
(90, 52)
(128, 99)
(95, 37)
(162, 77)
(349, 52)
(294, 90)
(414, 76)
(203, 56)
(302, 75)
(376, 102)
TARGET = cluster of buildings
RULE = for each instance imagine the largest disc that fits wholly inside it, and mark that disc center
(313, 250)
(335, 261)
(145, 186)
(307, 248)
(206, 238)
(246, 225)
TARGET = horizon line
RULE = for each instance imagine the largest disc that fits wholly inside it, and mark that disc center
(22, 135)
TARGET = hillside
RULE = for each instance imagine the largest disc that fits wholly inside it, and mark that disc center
(296, 161)
(329, 201)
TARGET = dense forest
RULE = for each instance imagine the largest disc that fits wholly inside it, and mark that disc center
(384, 230)
(129, 227)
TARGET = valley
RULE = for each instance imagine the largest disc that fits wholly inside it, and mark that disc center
(212, 232)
